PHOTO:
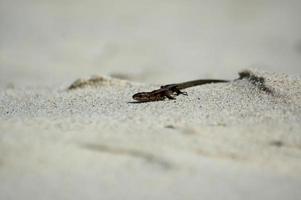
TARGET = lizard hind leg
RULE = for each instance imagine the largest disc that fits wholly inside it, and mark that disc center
(183, 93)
(169, 95)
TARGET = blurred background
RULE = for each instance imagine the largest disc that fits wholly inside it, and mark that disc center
(46, 42)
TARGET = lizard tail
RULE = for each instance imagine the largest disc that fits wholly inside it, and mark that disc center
(199, 82)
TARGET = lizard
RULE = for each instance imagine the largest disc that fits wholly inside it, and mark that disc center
(171, 90)
(168, 91)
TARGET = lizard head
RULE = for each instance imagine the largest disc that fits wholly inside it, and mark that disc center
(141, 96)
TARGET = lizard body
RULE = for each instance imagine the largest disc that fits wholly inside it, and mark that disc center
(168, 91)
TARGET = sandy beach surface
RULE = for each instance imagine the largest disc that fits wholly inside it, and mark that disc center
(222, 141)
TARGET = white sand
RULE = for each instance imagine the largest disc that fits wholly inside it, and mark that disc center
(223, 141)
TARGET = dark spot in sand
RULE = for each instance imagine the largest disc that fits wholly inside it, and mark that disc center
(170, 126)
(277, 143)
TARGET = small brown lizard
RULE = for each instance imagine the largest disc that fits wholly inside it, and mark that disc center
(171, 90)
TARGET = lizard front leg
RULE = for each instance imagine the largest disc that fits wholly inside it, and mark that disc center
(178, 92)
